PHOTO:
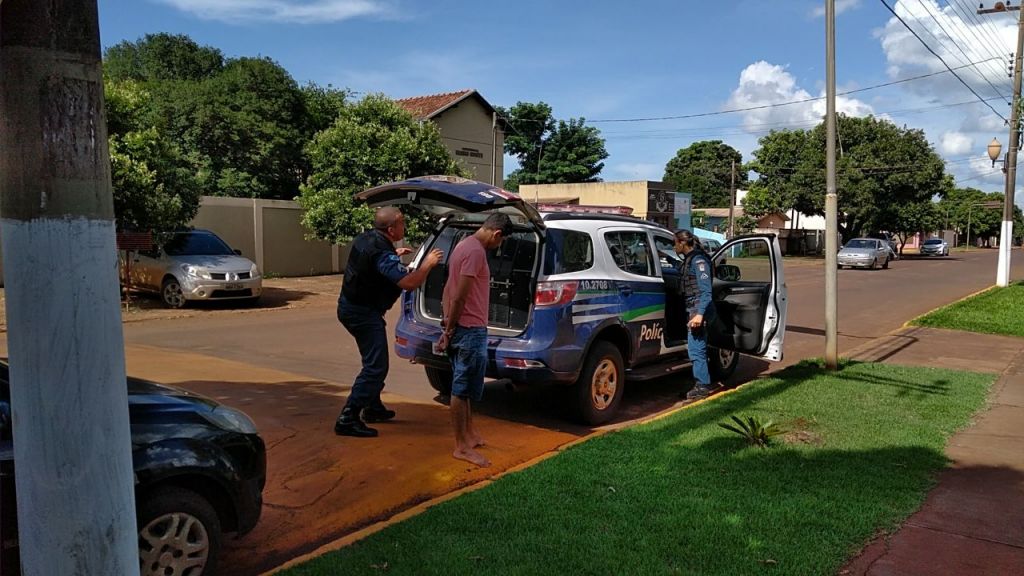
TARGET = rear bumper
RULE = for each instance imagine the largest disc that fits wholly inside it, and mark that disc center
(521, 359)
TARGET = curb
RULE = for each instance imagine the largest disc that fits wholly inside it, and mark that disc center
(422, 507)
(909, 323)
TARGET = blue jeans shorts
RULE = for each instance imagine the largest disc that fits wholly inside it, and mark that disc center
(468, 352)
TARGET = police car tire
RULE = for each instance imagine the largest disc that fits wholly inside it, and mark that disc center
(583, 396)
(718, 370)
(439, 379)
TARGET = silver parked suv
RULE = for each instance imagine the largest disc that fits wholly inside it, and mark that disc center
(195, 265)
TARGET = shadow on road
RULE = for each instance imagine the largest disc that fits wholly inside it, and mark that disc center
(271, 298)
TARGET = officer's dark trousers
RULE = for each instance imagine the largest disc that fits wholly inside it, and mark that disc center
(367, 326)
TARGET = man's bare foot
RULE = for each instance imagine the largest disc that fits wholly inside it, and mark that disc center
(472, 456)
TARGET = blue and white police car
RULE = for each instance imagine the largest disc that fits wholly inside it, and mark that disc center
(588, 300)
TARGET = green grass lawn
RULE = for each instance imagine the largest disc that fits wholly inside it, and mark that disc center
(995, 311)
(683, 496)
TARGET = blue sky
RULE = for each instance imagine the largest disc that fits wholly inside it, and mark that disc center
(609, 60)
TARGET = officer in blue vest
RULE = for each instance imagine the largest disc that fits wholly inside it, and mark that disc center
(374, 279)
(700, 309)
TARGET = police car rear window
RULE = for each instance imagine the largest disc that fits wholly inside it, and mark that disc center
(567, 251)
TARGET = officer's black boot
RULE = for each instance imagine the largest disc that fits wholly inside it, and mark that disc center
(378, 414)
(350, 424)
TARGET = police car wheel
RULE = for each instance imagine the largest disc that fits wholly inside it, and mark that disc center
(722, 363)
(439, 379)
(598, 391)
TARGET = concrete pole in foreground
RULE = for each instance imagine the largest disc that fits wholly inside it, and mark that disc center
(1010, 167)
(76, 509)
(831, 201)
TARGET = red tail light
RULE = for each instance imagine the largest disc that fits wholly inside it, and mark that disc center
(555, 293)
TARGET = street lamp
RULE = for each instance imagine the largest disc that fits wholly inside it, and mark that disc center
(994, 148)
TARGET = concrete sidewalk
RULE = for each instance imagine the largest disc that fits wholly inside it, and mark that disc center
(972, 522)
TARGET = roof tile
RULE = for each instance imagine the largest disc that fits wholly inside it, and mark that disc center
(426, 106)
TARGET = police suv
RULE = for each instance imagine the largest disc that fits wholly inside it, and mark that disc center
(587, 300)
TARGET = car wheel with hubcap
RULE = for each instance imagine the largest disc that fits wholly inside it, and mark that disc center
(722, 363)
(439, 379)
(598, 391)
(171, 293)
(885, 264)
(179, 534)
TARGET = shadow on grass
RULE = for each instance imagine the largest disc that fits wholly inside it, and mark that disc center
(641, 503)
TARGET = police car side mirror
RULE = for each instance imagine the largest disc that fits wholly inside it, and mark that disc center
(727, 272)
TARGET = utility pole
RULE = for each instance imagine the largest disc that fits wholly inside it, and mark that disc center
(831, 201)
(1010, 164)
(732, 201)
(74, 479)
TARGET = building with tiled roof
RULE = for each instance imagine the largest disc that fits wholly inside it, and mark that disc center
(469, 128)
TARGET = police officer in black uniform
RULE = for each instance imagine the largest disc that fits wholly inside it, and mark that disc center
(374, 279)
(700, 309)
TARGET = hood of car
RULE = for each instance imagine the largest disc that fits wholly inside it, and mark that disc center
(444, 195)
(225, 263)
(143, 392)
(857, 251)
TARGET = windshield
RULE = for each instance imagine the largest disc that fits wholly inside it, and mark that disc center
(197, 244)
(860, 243)
(933, 241)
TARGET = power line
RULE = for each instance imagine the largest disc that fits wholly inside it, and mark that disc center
(958, 47)
(929, 48)
(983, 37)
(754, 129)
(790, 102)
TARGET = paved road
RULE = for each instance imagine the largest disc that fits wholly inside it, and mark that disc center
(310, 341)
(290, 368)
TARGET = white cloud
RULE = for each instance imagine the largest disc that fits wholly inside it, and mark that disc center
(983, 174)
(764, 84)
(841, 6)
(638, 170)
(283, 11)
(956, 143)
(958, 41)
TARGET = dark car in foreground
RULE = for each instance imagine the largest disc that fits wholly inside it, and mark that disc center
(200, 468)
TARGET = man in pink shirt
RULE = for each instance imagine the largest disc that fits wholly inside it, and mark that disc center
(465, 301)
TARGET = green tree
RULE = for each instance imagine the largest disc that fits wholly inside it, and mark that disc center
(550, 151)
(242, 130)
(323, 105)
(704, 169)
(372, 142)
(154, 189)
(240, 124)
(882, 167)
(912, 218)
(573, 152)
(161, 57)
(961, 207)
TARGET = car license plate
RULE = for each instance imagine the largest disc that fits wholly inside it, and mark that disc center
(232, 286)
